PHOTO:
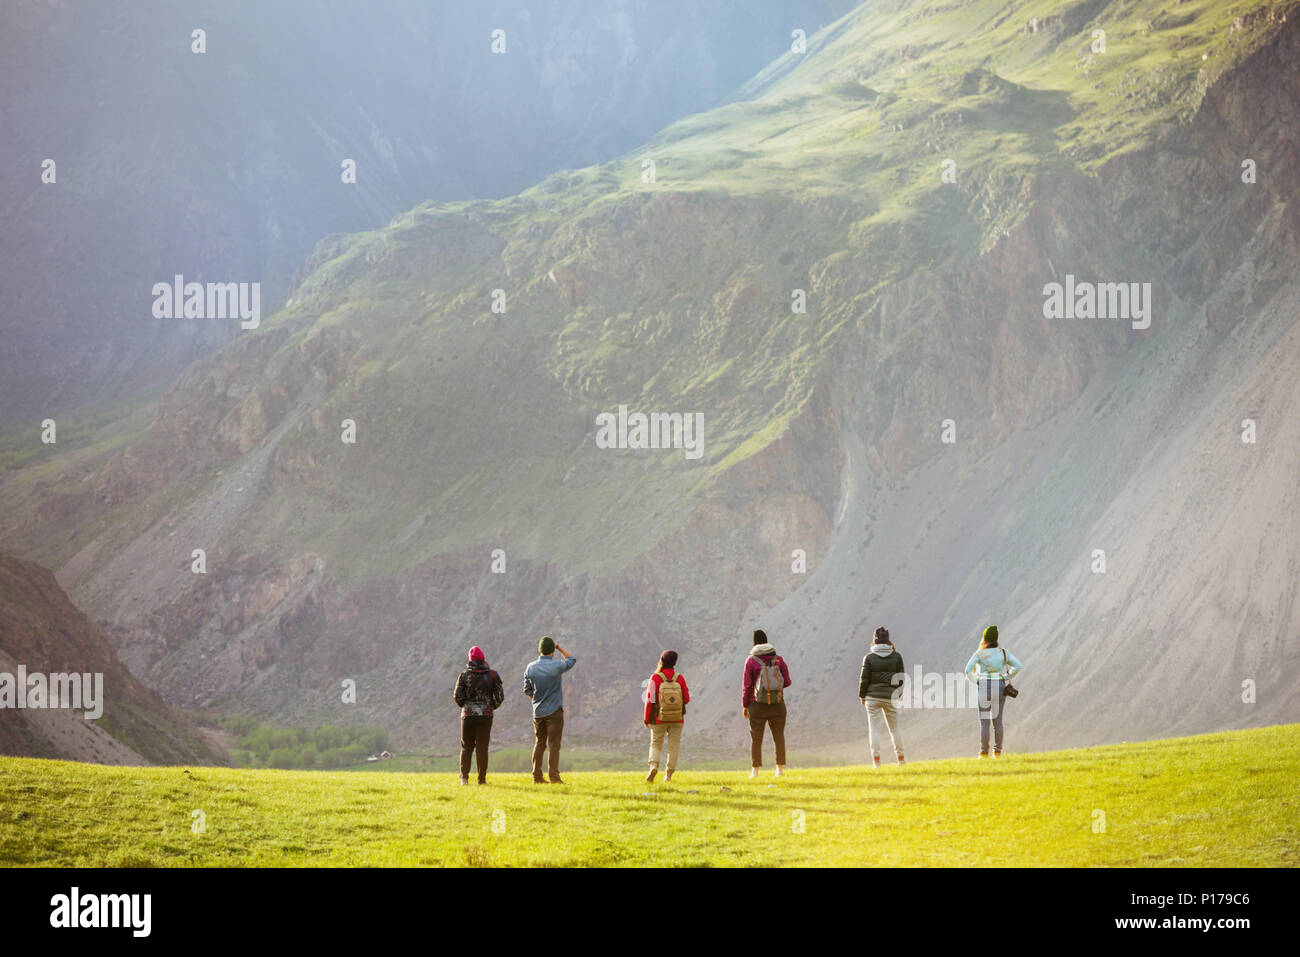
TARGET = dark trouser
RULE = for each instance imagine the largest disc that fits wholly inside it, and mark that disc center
(766, 714)
(548, 731)
(475, 732)
(992, 698)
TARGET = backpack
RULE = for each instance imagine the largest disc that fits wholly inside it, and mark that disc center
(671, 708)
(770, 687)
(484, 687)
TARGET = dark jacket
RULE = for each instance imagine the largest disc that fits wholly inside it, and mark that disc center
(879, 667)
(478, 691)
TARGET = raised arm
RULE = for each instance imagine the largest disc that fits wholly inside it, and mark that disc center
(569, 660)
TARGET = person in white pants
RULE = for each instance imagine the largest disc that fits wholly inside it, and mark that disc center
(876, 689)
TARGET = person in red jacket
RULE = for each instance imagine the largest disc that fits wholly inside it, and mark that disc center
(665, 713)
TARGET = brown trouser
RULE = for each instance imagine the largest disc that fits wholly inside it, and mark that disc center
(475, 732)
(759, 716)
(548, 731)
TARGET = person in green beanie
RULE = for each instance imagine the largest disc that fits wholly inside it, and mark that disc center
(542, 683)
(990, 668)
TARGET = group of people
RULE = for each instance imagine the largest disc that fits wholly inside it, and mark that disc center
(479, 692)
(990, 669)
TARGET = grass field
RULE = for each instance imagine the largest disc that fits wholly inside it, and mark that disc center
(1227, 799)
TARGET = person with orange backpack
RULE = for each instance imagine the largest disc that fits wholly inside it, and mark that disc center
(762, 700)
(666, 699)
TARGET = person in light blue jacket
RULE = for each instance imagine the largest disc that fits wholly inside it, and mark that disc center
(990, 669)
(543, 683)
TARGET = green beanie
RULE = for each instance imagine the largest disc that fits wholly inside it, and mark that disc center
(547, 647)
(991, 634)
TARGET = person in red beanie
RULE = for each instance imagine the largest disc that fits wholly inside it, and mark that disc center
(666, 698)
(478, 693)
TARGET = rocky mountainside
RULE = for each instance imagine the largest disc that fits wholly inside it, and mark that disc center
(41, 631)
(226, 165)
(939, 450)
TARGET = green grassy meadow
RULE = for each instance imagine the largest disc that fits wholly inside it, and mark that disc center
(1227, 799)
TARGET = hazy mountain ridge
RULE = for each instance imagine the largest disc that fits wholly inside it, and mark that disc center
(226, 165)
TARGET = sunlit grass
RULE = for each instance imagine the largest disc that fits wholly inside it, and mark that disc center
(1226, 799)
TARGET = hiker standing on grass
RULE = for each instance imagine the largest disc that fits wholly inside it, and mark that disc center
(762, 700)
(665, 713)
(478, 694)
(991, 668)
(876, 689)
(542, 683)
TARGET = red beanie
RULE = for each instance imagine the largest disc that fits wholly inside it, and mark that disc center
(476, 654)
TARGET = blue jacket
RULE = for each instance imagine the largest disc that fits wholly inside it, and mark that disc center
(542, 684)
(992, 663)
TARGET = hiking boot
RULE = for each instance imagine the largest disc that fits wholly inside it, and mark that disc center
(984, 754)
(539, 780)
(651, 776)
(556, 781)
(875, 761)
(997, 754)
(482, 780)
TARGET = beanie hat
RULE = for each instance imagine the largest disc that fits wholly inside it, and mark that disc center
(882, 635)
(668, 659)
(991, 634)
(476, 654)
(546, 646)
(760, 636)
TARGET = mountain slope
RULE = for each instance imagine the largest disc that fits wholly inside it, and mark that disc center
(225, 165)
(41, 631)
(475, 429)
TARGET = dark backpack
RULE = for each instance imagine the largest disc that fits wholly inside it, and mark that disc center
(486, 686)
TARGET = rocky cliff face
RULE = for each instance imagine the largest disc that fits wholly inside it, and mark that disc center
(1133, 446)
(476, 506)
(43, 633)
